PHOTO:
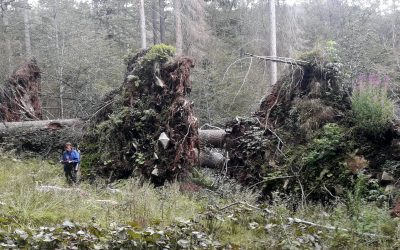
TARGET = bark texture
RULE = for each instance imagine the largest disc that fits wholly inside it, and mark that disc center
(154, 21)
(162, 20)
(7, 41)
(27, 32)
(143, 25)
(272, 42)
(178, 26)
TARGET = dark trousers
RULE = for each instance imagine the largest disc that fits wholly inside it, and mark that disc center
(70, 171)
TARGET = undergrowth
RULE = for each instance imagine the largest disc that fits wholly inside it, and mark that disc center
(372, 107)
(220, 214)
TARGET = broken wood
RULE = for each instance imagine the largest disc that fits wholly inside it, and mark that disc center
(107, 202)
(149, 127)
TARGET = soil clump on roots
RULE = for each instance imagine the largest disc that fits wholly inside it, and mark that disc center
(147, 126)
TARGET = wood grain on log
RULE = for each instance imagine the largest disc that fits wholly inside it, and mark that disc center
(212, 138)
(211, 159)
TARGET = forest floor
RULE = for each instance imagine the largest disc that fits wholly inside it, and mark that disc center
(37, 209)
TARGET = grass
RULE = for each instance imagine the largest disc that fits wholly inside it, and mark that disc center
(141, 205)
(133, 203)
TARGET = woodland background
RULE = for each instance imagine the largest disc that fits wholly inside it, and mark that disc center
(80, 45)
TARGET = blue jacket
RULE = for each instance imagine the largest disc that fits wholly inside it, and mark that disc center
(72, 155)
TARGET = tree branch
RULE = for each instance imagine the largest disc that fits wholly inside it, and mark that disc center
(281, 60)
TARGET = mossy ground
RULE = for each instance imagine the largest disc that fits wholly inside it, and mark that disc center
(144, 214)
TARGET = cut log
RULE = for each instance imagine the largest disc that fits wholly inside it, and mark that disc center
(212, 138)
(211, 159)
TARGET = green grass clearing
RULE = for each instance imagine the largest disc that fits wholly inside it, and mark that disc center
(138, 206)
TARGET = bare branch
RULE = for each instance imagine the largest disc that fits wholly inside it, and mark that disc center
(241, 86)
(281, 60)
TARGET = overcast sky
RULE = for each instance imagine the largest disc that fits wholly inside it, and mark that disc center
(385, 4)
(288, 1)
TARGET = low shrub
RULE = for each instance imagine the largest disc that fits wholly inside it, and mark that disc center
(372, 108)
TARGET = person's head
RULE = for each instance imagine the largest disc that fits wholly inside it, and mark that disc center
(68, 146)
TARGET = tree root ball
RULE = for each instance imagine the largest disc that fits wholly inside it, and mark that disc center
(124, 139)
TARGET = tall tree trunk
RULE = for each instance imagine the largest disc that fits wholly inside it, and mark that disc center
(394, 32)
(178, 27)
(60, 68)
(143, 25)
(154, 18)
(272, 21)
(27, 32)
(8, 43)
(162, 20)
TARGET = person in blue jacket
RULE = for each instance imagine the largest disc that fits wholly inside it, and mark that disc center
(71, 160)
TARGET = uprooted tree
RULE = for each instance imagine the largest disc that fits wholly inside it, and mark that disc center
(19, 99)
(150, 103)
(303, 139)
(22, 129)
(147, 126)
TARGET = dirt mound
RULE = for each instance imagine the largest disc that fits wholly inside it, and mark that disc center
(147, 126)
(19, 99)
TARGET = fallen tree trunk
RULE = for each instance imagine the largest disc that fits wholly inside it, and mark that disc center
(6, 127)
(47, 138)
(13, 132)
(208, 138)
(44, 138)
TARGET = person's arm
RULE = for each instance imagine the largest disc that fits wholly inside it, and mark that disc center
(75, 157)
